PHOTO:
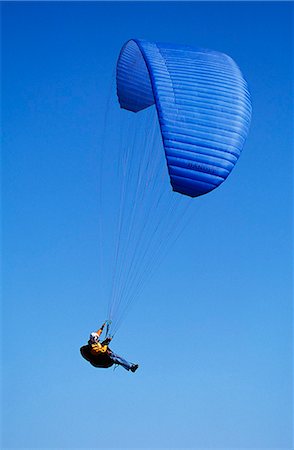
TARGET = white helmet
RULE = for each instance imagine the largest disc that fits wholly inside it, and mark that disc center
(94, 337)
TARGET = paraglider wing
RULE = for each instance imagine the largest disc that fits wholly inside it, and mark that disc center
(203, 108)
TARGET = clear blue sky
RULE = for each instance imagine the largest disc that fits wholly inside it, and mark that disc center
(221, 300)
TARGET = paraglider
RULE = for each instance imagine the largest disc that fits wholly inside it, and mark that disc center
(203, 110)
(100, 355)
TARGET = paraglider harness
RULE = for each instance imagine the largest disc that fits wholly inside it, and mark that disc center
(101, 360)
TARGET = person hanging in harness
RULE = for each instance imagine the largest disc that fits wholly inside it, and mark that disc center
(100, 355)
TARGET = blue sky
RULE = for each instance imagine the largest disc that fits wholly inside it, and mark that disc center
(212, 330)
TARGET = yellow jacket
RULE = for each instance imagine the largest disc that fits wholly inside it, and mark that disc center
(97, 348)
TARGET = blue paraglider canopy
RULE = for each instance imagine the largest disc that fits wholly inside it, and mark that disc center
(203, 108)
